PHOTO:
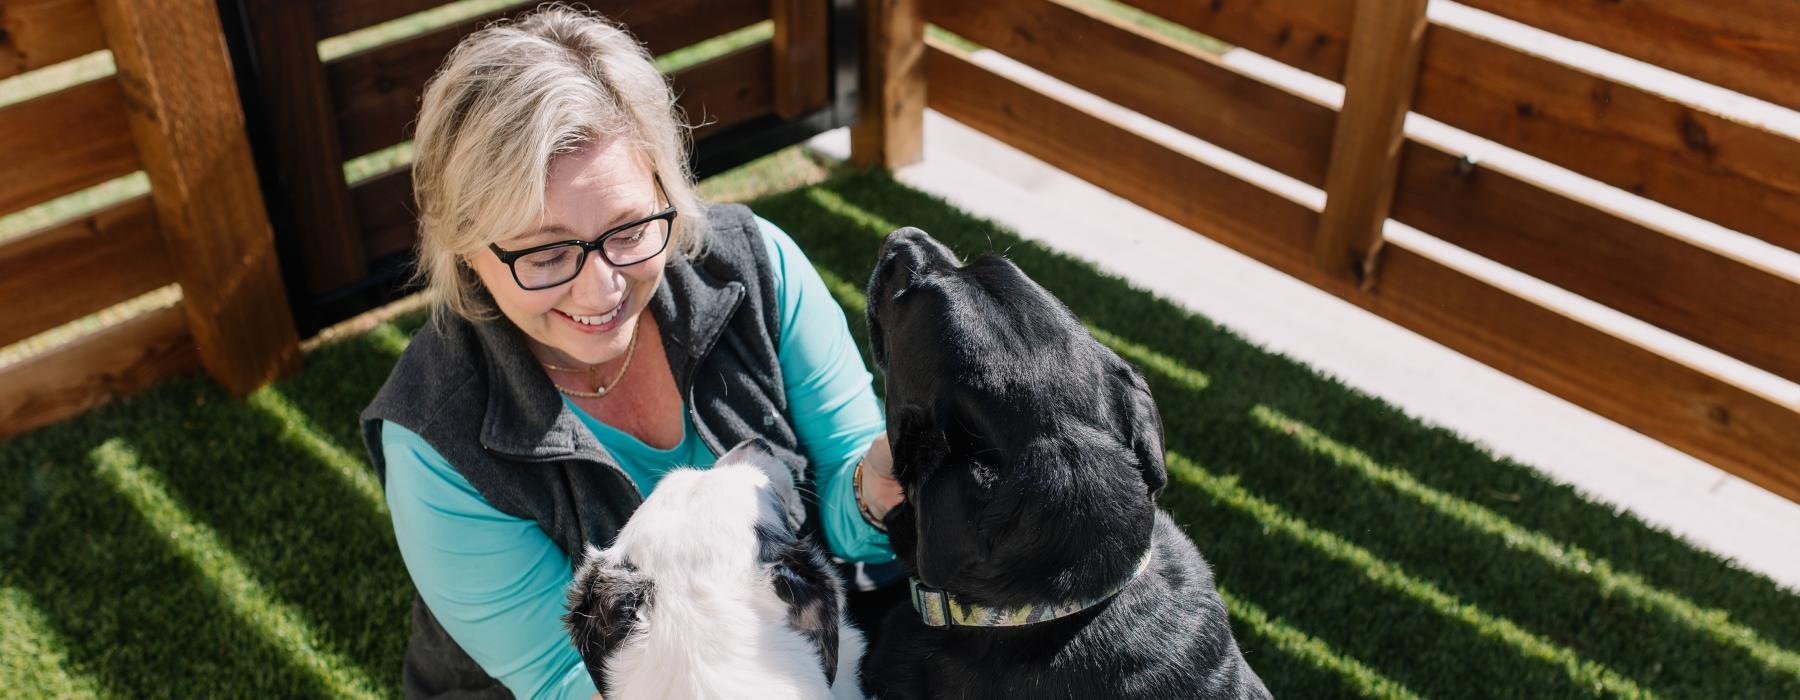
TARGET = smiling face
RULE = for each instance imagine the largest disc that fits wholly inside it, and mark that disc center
(1030, 454)
(590, 319)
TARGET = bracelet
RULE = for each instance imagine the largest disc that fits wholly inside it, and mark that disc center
(856, 485)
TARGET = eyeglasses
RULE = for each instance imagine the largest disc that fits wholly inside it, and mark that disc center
(552, 264)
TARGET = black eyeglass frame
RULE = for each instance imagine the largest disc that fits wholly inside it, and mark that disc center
(595, 246)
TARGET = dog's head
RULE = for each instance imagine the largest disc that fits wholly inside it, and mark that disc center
(1030, 454)
(707, 551)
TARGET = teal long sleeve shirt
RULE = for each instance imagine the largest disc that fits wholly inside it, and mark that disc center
(496, 582)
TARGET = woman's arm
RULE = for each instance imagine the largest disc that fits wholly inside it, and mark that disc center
(831, 398)
(495, 582)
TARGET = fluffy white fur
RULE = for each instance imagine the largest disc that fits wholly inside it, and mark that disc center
(714, 626)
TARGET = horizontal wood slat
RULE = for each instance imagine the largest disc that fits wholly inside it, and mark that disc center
(802, 62)
(39, 33)
(1724, 304)
(62, 142)
(69, 270)
(386, 213)
(1312, 35)
(376, 92)
(1152, 76)
(334, 17)
(1742, 432)
(109, 364)
(1751, 46)
(1741, 176)
(728, 90)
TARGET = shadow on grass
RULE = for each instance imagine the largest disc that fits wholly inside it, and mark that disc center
(179, 547)
(1571, 623)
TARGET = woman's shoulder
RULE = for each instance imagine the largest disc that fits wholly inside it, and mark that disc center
(439, 362)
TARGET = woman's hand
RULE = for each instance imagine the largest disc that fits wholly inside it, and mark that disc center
(880, 492)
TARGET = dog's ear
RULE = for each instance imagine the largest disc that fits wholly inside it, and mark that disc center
(605, 602)
(803, 579)
(1144, 432)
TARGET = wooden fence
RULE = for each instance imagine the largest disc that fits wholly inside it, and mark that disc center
(345, 244)
(170, 111)
(239, 123)
(1391, 60)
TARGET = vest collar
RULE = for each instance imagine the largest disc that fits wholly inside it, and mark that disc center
(526, 418)
(940, 609)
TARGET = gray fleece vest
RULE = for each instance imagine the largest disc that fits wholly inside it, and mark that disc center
(476, 395)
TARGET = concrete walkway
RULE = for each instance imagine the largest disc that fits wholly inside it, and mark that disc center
(1612, 464)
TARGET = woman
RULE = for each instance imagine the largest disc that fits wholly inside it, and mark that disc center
(594, 325)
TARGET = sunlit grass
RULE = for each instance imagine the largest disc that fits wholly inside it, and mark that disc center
(298, 430)
(249, 599)
(1714, 623)
(1226, 491)
(1293, 641)
(35, 656)
(390, 339)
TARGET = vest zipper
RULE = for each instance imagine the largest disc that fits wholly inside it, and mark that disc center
(706, 436)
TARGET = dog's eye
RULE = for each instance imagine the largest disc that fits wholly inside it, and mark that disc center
(964, 439)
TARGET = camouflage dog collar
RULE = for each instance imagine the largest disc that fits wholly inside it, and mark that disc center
(941, 609)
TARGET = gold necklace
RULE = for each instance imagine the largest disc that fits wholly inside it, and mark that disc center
(630, 349)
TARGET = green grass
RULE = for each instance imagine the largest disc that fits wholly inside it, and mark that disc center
(187, 543)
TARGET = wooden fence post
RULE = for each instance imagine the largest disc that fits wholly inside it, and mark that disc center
(1379, 76)
(297, 104)
(891, 119)
(176, 73)
(802, 56)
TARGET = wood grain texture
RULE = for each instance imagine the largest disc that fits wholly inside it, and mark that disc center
(39, 33)
(104, 366)
(728, 90)
(890, 125)
(334, 17)
(1742, 432)
(62, 142)
(69, 270)
(375, 92)
(1382, 68)
(1738, 175)
(308, 152)
(1312, 35)
(1152, 76)
(190, 133)
(386, 213)
(1751, 46)
(802, 60)
(1720, 302)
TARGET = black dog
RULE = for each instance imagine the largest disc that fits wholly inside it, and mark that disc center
(1031, 458)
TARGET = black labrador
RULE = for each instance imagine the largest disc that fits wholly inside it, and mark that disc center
(1031, 458)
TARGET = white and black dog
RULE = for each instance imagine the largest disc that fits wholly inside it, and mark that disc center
(708, 592)
(1031, 457)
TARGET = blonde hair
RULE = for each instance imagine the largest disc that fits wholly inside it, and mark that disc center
(508, 100)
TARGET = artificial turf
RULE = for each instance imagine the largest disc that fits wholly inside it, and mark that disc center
(186, 543)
